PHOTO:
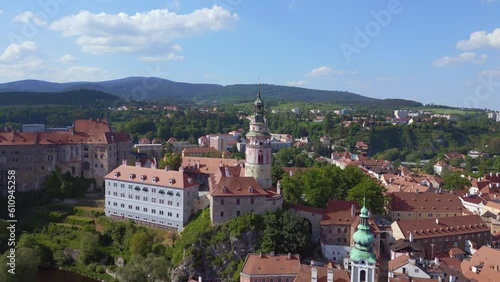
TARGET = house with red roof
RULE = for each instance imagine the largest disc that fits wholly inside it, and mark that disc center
(89, 148)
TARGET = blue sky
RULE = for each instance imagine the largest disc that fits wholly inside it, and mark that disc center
(442, 52)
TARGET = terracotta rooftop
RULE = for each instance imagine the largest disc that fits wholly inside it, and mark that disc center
(256, 264)
(85, 132)
(304, 275)
(237, 186)
(452, 263)
(445, 226)
(398, 262)
(207, 165)
(488, 261)
(340, 212)
(92, 126)
(456, 252)
(199, 150)
(151, 176)
(425, 202)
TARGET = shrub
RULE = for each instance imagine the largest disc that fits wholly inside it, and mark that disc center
(78, 220)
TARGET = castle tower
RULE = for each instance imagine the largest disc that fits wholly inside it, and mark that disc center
(258, 147)
(363, 259)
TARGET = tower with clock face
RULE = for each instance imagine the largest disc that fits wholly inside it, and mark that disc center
(258, 147)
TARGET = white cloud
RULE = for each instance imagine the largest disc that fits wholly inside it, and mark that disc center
(173, 4)
(481, 39)
(82, 73)
(28, 16)
(171, 56)
(490, 73)
(327, 71)
(466, 57)
(296, 83)
(149, 33)
(68, 59)
(17, 51)
(321, 71)
(382, 78)
(359, 84)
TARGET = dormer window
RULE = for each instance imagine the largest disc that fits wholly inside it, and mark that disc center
(250, 189)
(224, 189)
(171, 181)
(117, 174)
(131, 176)
(155, 179)
(143, 177)
(190, 180)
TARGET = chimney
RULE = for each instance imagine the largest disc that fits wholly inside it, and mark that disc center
(260, 255)
(138, 163)
(437, 221)
(181, 169)
(312, 262)
(416, 191)
(289, 256)
(220, 163)
(272, 253)
(278, 187)
(329, 275)
(410, 237)
(353, 210)
(167, 168)
(436, 261)
(124, 162)
(314, 274)
(199, 279)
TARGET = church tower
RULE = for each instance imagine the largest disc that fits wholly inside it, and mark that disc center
(363, 259)
(258, 147)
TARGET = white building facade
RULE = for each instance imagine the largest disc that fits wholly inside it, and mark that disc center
(152, 197)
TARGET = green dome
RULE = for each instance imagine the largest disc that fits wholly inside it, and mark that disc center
(357, 255)
(363, 237)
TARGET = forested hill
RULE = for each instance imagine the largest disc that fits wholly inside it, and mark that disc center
(81, 97)
(156, 89)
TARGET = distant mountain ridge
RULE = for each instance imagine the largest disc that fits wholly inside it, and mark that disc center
(157, 89)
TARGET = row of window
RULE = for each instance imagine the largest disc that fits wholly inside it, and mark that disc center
(428, 215)
(144, 209)
(252, 201)
(145, 189)
(145, 199)
(144, 219)
(271, 280)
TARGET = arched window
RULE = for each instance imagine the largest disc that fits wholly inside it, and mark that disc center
(86, 166)
(362, 275)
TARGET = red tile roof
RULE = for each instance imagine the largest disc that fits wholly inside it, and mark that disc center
(340, 212)
(446, 226)
(489, 259)
(403, 201)
(256, 264)
(171, 178)
(237, 186)
(304, 275)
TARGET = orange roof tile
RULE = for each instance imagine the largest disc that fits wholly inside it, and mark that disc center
(425, 202)
(256, 264)
(339, 212)
(237, 186)
(446, 226)
(304, 275)
(134, 174)
(489, 259)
